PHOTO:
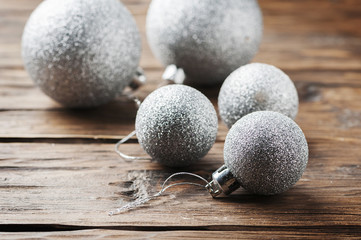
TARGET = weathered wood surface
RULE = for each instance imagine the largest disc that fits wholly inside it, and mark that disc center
(59, 171)
(77, 184)
(247, 233)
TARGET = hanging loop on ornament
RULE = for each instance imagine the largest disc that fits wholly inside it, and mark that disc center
(171, 75)
(141, 201)
(139, 79)
(133, 98)
(126, 157)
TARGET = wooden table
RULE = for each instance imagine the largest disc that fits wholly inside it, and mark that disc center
(60, 174)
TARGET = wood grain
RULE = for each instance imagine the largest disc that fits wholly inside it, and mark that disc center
(76, 184)
(329, 107)
(60, 175)
(247, 233)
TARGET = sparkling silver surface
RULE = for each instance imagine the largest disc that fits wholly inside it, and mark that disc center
(176, 125)
(207, 38)
(256, 87)
(266, 151)
(81, 52)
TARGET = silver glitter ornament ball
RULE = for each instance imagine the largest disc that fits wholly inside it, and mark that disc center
(257, 87)
(208, 39)
(176, 125)
(266, 151)
(81, 53)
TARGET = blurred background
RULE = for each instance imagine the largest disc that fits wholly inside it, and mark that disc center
(315, 43)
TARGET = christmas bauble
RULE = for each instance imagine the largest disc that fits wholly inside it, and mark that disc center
(208, 39)
(256, 87)
(266, 151)
(81, 53)
(176, 125)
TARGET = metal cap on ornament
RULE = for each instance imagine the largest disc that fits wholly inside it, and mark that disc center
(139, 79)
(173, 74)
(223, 181)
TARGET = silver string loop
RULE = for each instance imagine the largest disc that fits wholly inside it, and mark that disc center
(172, 74)
(141, 201)
(124, 156)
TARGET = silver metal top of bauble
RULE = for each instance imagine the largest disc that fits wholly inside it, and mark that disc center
(223, 182)
(173, 74)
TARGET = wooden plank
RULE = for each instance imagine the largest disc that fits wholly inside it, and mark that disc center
(246, 234)
(76, 184)
(305, 35)
(17, 92)
(327, 109)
